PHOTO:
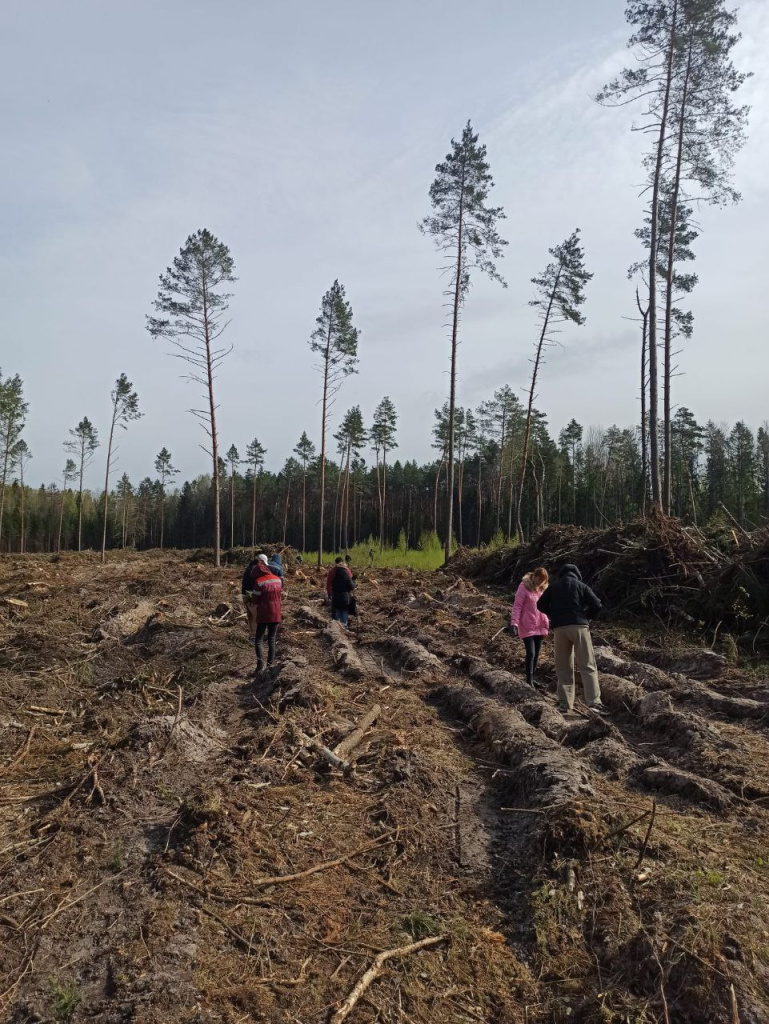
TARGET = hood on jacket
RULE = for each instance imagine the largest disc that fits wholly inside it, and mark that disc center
(528, 582)
(570, 570)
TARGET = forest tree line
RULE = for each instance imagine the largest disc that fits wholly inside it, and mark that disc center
(585, 476)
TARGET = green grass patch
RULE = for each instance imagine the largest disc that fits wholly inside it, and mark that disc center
(425, 559)
(65, 999)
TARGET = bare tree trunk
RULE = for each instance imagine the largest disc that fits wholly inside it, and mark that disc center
(214, 436)
(285, 512)
(106, 480)
(501, 468)
(21, 482)
(162, 508)
(61, 519)
(460, 484)
(80, 508)
(453, 385)
(304, 507)
(654, 242)
(480, 499)
(435, 505)
(337, 542)
(323, 443)
(5, 471)
(453, 398)
(232, 506)
(668, 362)
(511, 497)
(384, 500)
(379, 495)
(644, 425)
(253, 508)
(527, 432)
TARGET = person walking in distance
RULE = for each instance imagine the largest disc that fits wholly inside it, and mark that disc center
(340, 585)
(570, 604)
(261, 591)
(527, 621)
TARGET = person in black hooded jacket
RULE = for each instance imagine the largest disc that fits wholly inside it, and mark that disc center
(570, 604)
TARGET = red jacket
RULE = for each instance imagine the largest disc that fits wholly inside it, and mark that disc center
(330, 575)
(266, 590)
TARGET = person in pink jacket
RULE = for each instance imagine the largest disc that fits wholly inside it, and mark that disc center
(527, 621)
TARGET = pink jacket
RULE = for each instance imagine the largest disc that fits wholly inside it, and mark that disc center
(525, 614)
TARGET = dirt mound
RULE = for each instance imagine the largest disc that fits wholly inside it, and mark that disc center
(653, 566)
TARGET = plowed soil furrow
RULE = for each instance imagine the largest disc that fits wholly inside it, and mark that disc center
(179, 840)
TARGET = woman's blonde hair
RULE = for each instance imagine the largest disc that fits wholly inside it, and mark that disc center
(540, 576)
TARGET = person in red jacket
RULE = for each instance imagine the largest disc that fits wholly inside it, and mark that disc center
(262, 589)
(338, 566)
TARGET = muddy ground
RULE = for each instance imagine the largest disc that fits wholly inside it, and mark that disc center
(176, 843)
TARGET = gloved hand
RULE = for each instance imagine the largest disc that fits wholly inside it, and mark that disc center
(512, 630)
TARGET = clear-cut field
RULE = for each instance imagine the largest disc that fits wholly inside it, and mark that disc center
(176, 843)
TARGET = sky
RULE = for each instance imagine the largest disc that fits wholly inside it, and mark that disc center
(305, 136)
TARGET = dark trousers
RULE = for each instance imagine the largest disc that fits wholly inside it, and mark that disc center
(341, 615)
(533, 645)
(270, 628)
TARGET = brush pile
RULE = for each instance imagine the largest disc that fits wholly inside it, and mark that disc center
(655, 565)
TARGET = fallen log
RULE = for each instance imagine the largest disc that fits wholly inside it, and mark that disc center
(353, 738)
(312, 743)
(375, 970)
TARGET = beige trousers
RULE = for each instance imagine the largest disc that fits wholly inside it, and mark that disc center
(250, 615)
(568, 642)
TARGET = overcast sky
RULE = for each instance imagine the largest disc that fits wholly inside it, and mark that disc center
(305, 135)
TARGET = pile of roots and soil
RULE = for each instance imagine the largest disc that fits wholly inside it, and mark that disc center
(654, 565)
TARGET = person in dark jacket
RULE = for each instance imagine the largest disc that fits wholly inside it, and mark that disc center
(261, 590)
(570, 604)
(341, 585)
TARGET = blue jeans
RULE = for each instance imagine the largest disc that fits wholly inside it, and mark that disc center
(341, 615)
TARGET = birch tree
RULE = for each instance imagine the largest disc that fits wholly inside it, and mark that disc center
(192, 318)
(464, 228)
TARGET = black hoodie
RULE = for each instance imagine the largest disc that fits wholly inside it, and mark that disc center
(568, 601)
